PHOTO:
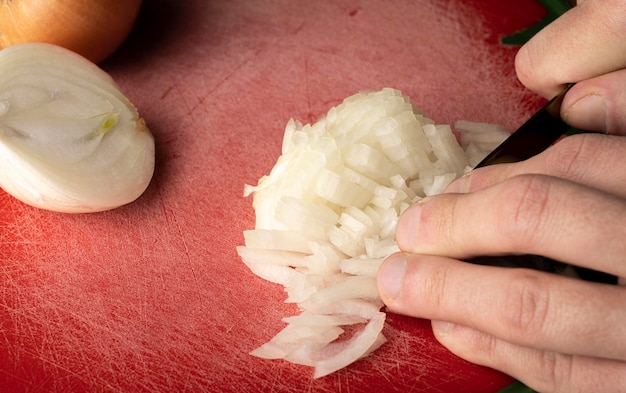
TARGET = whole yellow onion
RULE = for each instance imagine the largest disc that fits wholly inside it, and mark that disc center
(91, 28)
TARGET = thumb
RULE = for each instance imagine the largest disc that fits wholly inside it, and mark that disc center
(598, 104)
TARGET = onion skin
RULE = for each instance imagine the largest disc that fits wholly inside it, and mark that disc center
(91, 28)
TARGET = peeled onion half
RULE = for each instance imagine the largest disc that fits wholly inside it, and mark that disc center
(326, 217)
(70, 141)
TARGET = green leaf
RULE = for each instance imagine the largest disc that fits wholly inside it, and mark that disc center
(517, 387)
(555, 9)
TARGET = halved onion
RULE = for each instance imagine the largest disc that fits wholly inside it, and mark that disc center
(70, 141)
(327, 212)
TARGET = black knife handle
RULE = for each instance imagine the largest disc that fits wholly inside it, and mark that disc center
(544, 264)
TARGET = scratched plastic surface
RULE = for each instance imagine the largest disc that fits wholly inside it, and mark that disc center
(152, 297)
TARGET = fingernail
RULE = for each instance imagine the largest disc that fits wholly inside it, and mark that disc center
(460, 185)
(588, 113)
(391, 276)
(408, 225)
(441, 328)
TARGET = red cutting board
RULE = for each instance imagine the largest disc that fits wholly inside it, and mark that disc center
(152, 297)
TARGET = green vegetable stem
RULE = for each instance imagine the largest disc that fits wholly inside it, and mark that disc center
(555, 9)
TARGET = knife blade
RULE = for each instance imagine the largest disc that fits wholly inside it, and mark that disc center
(534, 136)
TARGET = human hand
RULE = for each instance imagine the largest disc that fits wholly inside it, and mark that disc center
(555, 334)
(586, 45)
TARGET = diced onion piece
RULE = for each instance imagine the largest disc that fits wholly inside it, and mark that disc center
(366, 341)
(439, 184)
(352, 287)
(365, 308)
(276, 273)
(361, 267)
(479, 139)
(293, 337)
(380, 248)
(301, 286)
(325, 260)
(310, 219)
(309, 319)
(299, 334)
(446, 148)
(368, 161)
(273, 257)
(336, 189)
(279, 240)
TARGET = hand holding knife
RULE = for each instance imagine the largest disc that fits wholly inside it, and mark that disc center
(537, 134)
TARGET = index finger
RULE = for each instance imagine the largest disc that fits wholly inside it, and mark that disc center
(527, 214)
(592, 160)
(523, 307)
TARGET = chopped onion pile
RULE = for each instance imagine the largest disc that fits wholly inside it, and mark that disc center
(327, 212)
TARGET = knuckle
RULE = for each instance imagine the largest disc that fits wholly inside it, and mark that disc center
(555, 371)
(438, 222)
(486, 345)
(425, 287)
(436, 289)
(525, 201)
(564, 159)
(526, 307)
